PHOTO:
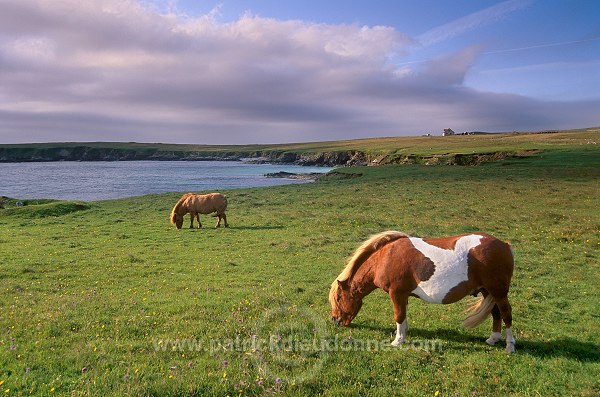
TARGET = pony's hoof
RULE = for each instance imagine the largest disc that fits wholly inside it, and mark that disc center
(510, 348)
(397, 342)
(494, 338)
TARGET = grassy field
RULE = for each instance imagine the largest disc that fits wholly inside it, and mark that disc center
(107, 298)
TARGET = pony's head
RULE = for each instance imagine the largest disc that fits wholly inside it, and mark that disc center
(344, 304)
(179, 210)
(177, 219)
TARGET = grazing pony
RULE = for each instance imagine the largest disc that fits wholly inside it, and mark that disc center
(197, 204)
(437, 270)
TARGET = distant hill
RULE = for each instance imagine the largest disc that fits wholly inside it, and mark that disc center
(471, 149)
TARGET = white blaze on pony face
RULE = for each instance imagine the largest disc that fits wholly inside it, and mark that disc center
(451, 267)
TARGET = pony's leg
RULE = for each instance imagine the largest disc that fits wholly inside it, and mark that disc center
(192, 220)
(225, 219)
(506, 314)
(400, 303)
(199, 223)
(496, 335)
(219, 221)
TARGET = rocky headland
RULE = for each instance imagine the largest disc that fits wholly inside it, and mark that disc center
(337, 158)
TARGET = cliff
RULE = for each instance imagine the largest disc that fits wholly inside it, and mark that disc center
(333, 158)
(451, 150)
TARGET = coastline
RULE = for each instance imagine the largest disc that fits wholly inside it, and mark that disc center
(334, 158)
(425, 150)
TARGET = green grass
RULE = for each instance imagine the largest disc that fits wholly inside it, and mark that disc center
(94, 296)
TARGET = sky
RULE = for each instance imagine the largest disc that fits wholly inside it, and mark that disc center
(273, 71)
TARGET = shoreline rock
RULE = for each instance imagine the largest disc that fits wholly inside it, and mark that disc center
(310, 176)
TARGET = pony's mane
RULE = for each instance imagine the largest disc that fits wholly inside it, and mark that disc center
(360, 256)
(178, 205)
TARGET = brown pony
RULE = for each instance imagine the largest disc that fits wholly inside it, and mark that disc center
(437, 270)
(197, 204)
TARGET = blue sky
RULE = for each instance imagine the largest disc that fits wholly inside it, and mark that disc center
(267, 71)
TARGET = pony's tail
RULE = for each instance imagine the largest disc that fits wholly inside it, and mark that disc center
(479, 312)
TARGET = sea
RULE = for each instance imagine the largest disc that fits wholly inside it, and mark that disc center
(104, 180)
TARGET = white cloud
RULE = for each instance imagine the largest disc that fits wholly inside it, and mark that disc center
(117, 70)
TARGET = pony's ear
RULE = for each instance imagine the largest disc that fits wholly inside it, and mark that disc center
(342, 284)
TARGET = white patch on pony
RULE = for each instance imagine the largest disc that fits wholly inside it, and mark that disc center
(494, 338)
(510, 341)
(451, 267)
(400, 333)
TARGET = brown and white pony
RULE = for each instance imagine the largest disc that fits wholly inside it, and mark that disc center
(437, 270)
(197, 204)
